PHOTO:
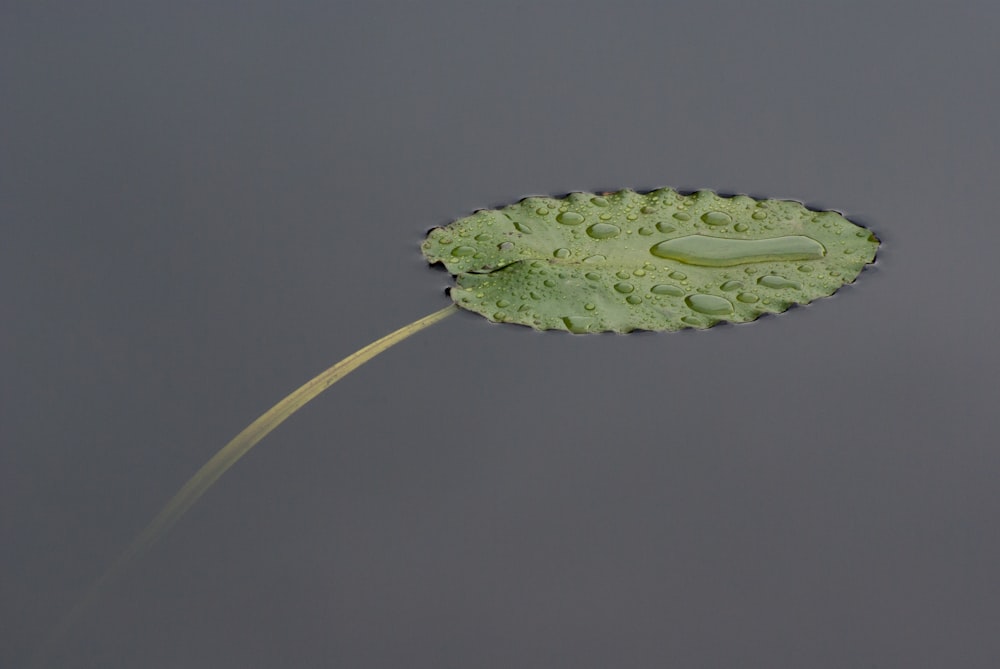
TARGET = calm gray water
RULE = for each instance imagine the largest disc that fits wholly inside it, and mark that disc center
(203, 204)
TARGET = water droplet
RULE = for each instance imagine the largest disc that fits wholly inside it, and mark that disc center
(593, 276)
(603, 231)
(633, 299)
(716, 218)
(680, 276)
(561, 253)
(645, 232)
(664, 228)
(741, 227)
(639, 272)
(624, 287)
(691, 320)
(605, 217)
(595, 258)
(720, 252)
(499, 316)
(462, 251)
(730, 286)
(667, 289)
(503, 303)
(632, 217)
(747, 298)
(589, 306)
(775, 281)
(522, 227)
(805, 268)
(482, 237)
(549, 283)
(648, 210)
(542, 211)
(577, 324)
(759, 215)
(534, 295)
(505, 246)
(682, 216)
(712, 305)
(599, 201)
(570, 218)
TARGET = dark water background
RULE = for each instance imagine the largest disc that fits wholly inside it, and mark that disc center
(203, 204)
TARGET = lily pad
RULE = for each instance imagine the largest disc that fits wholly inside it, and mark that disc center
(655, 261)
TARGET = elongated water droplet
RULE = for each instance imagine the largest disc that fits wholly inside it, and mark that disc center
(712, 305)
(667, 289)
(522, 227)
(593, 276)
(633, 299)
(561, 253)
(730, 286)
(741, 227)
(595, 258)
(747, 298)
(603, 231)
(716, 218)
(570, 218)
(599, 201)
(505, 246)
(462, 251)
(720, 252)
(664, 228)
(645, 232)
(682, 216)
(624, 287)
(577, 324)
(648, 210)
(775, 281)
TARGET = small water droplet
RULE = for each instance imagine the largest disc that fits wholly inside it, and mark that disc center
(561, 253)
(522, 227)
(603, 231)
(500, 316)
(577, 324)
(632, 217)
(716, 218)
(682, 216)
(712, 305)
(730, 286)
(645, 232)
(542, 211)
(482, 237)
(622, 274)
(633, 299)
(549, 283)
(759, 215)
(595, 258)
(648, 210)
(679, 276)
(667, 289)
(593, 276)
(747, 298)
(503, 303)
(505, 246)
(775, 281)
(462, 251)
(599, 201)
(605, 217)
(624, 287)
(691, 320)
(590, 306)
(534, 295)
(741, 227)
(805, 268)
(570, 218)
(639, 272)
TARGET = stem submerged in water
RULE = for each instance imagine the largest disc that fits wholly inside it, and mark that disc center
(229, 455)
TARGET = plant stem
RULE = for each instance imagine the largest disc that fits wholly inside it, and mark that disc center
(228, 456)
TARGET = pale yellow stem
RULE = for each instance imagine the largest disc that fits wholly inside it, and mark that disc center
(231, 453)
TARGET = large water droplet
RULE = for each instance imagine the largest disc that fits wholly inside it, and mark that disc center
(716, 218)
(775, 281)
(570, 218)
(603, 231)
(624, 287)
(664, 228)
(577, 324)
(712, 305)
(720, 252)
(667, 289)
(462, 251)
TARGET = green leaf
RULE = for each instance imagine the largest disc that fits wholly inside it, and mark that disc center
(656, 261)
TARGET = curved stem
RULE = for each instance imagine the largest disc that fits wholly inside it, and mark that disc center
(232, 452)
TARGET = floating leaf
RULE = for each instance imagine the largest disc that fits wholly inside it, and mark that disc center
(656, 261)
